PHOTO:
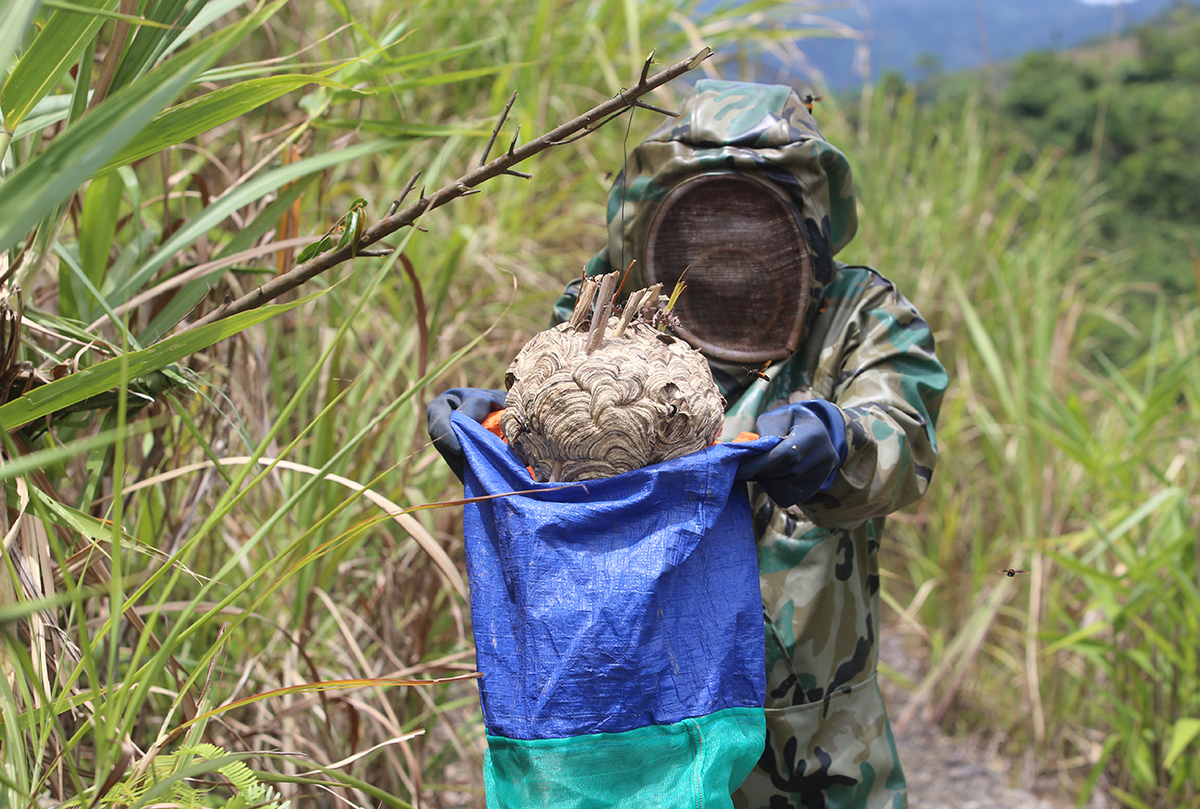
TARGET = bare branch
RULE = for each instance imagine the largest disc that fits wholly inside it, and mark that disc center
(390, 224)
(400, 197)
(646, 68)
(495, 132)
(659, 110)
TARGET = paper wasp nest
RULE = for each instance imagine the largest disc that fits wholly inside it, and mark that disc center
(592, 398)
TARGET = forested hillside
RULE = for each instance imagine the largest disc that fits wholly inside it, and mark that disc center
(1120, 114)
(1131, 121)
(917, 37)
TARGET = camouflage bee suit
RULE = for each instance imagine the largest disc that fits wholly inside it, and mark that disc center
(867, 350)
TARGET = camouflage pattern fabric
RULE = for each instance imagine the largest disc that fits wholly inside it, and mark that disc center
(867, 350)
(756, 129)
(829, 745)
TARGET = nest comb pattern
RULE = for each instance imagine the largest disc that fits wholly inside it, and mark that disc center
(589, 400)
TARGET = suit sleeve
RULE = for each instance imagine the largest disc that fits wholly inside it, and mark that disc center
(887, 381)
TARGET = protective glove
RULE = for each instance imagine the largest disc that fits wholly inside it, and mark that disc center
(473, 403)
(805, 461)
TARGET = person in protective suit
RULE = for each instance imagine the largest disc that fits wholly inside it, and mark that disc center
(744, 193)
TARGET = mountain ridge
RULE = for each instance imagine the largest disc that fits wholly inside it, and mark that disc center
(917, 37)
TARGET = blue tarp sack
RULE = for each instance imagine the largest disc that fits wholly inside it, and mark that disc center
(618, 626)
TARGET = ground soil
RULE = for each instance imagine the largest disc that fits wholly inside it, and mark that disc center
(954, 772)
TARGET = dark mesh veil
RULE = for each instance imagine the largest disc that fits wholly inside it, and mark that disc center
(738, 244)
(744, 189)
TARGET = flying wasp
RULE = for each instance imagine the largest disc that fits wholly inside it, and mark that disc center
(761, 372)
(809, 99)
(1008, 571)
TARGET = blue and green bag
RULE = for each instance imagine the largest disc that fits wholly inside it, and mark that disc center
(618, 626)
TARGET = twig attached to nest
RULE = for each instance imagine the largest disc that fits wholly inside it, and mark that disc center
(604, 307)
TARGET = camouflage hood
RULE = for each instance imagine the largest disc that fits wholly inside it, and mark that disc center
(764, 131)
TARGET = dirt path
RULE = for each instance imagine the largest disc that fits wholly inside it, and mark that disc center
(946, 772)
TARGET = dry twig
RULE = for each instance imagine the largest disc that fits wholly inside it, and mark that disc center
(585, 124)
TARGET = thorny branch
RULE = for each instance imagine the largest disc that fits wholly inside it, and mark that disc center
(589, 122)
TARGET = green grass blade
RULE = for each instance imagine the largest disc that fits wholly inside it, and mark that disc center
(62, 5)
(403, 129)
(51, 54)
(39, 186)
(451, 77)
(50, 110)
(191, 118)
(1186, 730)
(211, 11)
(244, 194)
(15, 17)
(987, 350)
(113, 373)
(59, 453)
(88, 291)
(148, 44)
(97, 227)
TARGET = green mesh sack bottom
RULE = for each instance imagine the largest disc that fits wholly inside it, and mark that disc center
(694, 763)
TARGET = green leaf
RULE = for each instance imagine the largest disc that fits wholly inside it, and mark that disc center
(198, 115)
(1185, 732)
(425, 59)
(986, 348)
(191, 294)
(149, 44)
(51, 54)
(34, 461)
(244, 194)
(353, 225)
(98, 224)
(451, 77)
(15, 16)
(76, 520)
(39, 186)
(403, 129)
(315, 249)
(267, 218)
(50, 110)
(62, 5)
(1075, 638)
(105, 376)
(211, 11)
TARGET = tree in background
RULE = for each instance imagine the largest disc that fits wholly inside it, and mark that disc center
(1133, 124)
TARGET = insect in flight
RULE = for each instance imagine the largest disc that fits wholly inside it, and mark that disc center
(761, 372)
(809, 99)
(1008, 571)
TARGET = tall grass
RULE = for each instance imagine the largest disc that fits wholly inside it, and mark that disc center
(1055, 459)
(212, 594)
(184, 615)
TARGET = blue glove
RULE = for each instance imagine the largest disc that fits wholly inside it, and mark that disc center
(473, 403)
(805, 461)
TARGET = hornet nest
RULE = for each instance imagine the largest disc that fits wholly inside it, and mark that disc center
(595, 397)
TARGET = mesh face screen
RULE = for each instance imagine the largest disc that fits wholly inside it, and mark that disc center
(747, 266)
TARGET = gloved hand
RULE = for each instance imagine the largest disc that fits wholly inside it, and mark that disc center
(473, 403)
(805, 461)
